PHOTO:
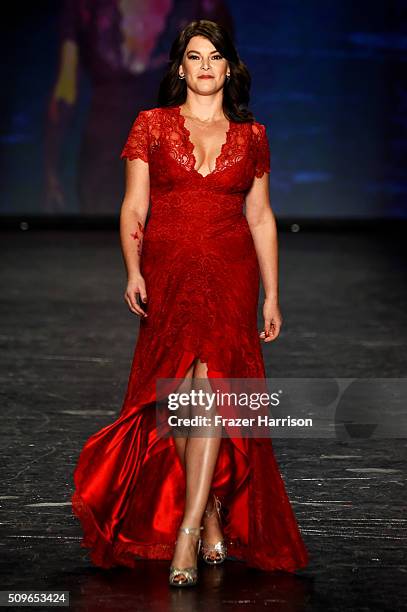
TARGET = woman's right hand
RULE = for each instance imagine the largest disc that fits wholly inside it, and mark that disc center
(136, 286)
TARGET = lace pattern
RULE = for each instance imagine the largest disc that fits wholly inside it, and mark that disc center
(263, 150)
(137, 144)
(160, 129)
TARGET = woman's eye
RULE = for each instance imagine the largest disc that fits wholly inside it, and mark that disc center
(197, 57)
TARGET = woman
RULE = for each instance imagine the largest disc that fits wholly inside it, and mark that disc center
(195, 267)
(122, 47)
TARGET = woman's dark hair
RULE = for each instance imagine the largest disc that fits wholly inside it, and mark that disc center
(173, 90)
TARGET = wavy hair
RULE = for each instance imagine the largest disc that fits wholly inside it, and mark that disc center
(173, 90)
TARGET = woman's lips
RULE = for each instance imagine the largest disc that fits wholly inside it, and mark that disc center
(205, 77)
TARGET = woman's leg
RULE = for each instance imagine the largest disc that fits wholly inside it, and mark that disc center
(200, 460)
(185, 387)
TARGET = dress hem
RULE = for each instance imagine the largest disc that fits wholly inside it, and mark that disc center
(106, 555)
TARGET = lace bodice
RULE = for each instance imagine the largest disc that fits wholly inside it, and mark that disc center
(184, 202)
(245, 149)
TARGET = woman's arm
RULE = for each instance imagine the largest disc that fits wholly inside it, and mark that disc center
(133, 214)
(263, 228)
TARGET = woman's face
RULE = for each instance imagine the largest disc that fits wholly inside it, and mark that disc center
(204, 68)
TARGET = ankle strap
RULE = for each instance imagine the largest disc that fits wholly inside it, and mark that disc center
(193, 530)
(216, 506)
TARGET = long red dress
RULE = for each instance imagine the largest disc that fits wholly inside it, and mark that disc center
(202, 281)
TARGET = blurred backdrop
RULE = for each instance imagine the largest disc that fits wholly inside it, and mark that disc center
(328, 80)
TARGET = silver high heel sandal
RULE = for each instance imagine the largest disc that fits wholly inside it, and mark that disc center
(190, 573)
(219, 548)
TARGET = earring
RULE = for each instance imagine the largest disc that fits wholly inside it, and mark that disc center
(181, 76)
(228, 76)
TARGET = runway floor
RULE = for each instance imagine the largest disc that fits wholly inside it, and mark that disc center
(67, 339)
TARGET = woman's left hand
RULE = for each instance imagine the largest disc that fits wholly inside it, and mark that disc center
(272, 320)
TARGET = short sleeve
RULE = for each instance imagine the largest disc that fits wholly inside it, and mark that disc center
(262, 151)
(137, 143)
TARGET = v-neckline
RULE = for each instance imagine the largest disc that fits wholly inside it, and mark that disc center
(192, 146)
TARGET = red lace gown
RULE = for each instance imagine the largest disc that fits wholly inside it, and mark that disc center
(202, 280)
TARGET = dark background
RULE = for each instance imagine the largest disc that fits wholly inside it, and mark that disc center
(327, 82)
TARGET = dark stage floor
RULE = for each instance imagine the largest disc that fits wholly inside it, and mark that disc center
(67, 339)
